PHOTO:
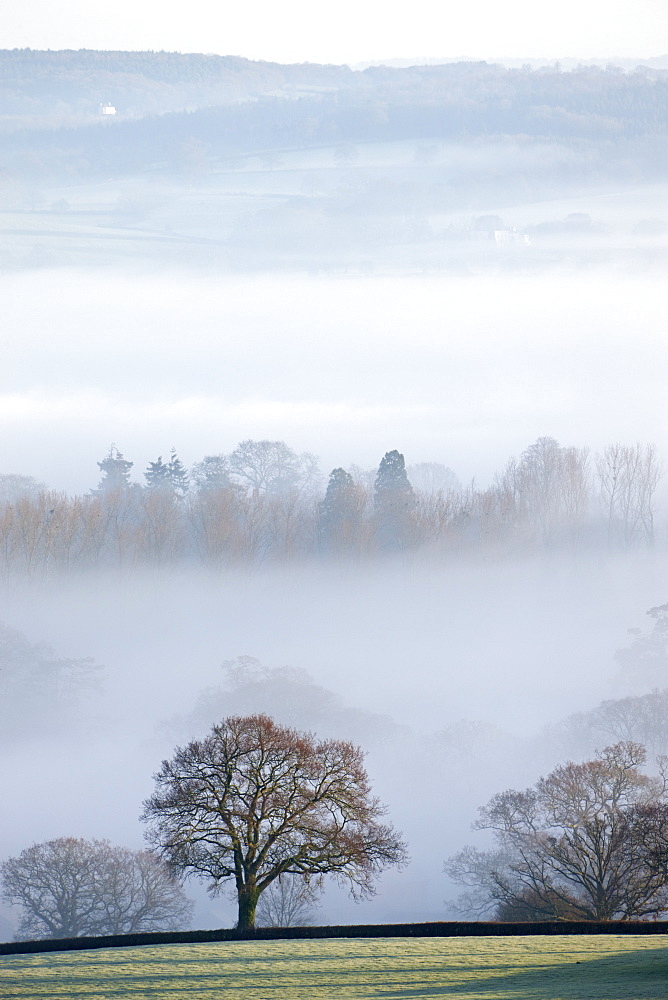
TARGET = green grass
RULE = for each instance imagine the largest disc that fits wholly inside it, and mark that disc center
(602, 967)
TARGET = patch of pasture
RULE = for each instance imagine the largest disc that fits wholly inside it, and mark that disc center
(596, 967)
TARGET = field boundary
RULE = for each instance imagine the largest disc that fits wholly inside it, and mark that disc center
(444, 928)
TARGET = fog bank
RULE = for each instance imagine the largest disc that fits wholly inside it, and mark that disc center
(394, 657)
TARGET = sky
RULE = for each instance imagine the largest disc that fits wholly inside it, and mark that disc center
(348, 32)
(463, 371)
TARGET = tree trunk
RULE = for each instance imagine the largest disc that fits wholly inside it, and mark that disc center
(248, 898)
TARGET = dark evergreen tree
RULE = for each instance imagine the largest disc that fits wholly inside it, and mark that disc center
(115, 472)
(157, 475)
(394, 503)
(171, 477)
(179, 476)
(340, 511)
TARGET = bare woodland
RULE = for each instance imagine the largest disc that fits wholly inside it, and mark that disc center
(264, 502)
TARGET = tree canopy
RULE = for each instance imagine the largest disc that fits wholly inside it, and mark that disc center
(254, 801)
(115, 472)
(71, 887)
(568, 847)
(289, 695)
(41, 692)
(265, 502)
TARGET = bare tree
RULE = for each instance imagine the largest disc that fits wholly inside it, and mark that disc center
(290, 523)
(645, 661)
(649, 827)
(628, 477)
(433, 477)
(138, 892)
(546, 492)
(440, 517)
(255, 801)
(72, 888)
(161, 532)
(272, 467)
(14, 487)
(565, 848)
(640, 718)
(288, 902)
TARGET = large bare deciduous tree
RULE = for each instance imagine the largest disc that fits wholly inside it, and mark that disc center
(71, 887)
(568, 847)
(272, 467)
(545, 492)
(254, 801)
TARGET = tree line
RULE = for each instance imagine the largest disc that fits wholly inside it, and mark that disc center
(258, 808)
(271, 812)
(249, 103)
(235, 108)
(257, 805)
(264, 502)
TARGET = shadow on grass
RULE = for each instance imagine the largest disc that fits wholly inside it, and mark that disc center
(640, 974)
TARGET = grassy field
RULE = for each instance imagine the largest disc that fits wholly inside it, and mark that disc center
(536, 968)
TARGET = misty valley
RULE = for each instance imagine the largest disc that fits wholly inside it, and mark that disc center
(232, 166)
(462, 662)
(335, 399)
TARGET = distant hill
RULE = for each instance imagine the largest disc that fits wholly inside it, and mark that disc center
(50, 109)
(66, 88)
(72, 84)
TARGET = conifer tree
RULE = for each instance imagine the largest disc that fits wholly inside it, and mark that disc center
(115, 472)
(178, 475)
(340, 510)
(172, 476)
(157, 475)
(394, 502)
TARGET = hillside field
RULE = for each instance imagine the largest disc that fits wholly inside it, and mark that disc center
(613, 967)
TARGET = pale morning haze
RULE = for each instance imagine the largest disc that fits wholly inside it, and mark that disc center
(299, 31)
(333, 380)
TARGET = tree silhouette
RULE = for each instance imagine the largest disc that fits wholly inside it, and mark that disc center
(71, 887)
(255, 801)
(115, 472)
(566, 848)
(394, 502)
